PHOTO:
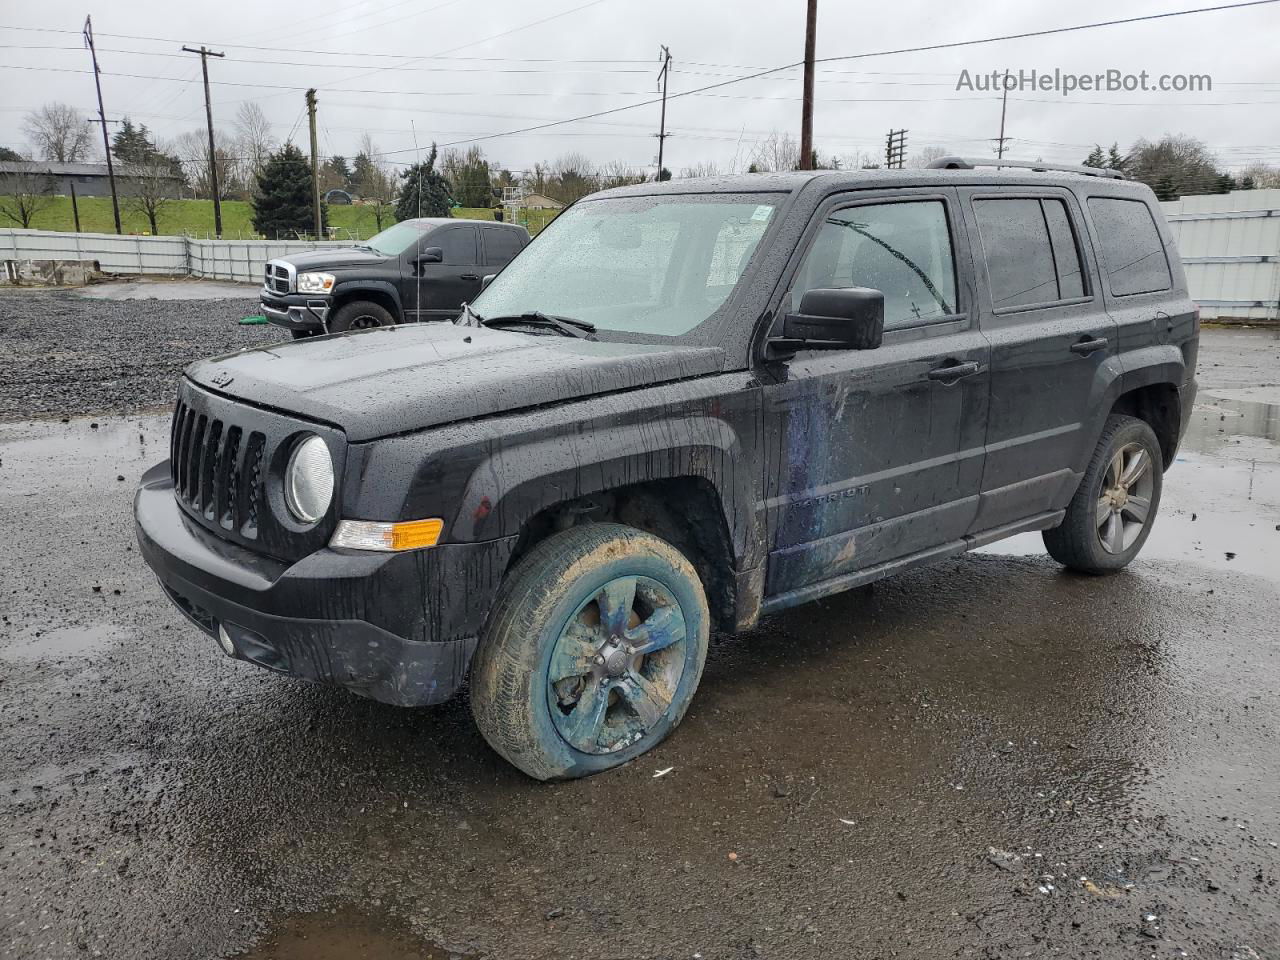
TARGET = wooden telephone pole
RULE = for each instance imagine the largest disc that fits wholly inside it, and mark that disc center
(806, 108)
(205, 54)
(102, 118)
(662, 122)
(315, 164)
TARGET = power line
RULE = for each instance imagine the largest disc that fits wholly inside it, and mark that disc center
(881, 53)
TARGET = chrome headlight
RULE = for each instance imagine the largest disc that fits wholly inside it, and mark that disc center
(315, 282)
(308, 480)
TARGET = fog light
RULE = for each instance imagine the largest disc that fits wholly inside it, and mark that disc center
(224, 641)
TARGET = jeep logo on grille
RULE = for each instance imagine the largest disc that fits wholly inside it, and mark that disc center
(221, 378)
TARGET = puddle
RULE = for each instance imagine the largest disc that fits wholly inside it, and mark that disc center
(62, 642)
(1221, 502)
(345, 935)
(1234, 428)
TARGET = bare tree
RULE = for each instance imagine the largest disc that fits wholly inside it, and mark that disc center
(926, 156)
(254, 142)
(1262, 174)
(619, 173)
(192, 151)
(373, 183)
(23, 195)
(572, 177)
(60, 132)
(706, 168)
(777, 152)
(148, 189)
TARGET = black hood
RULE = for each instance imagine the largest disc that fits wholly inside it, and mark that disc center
(396, 379)
(336, 257)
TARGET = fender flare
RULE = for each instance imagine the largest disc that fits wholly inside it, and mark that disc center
(344, 289)
(515, 483)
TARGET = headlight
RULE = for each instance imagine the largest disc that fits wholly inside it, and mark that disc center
(315, 282)
(308, 480)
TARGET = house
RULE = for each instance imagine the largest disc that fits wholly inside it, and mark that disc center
(88, 179)
(534, 201)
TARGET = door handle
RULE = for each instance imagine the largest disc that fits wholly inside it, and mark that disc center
(950, 373)
(1086, 347)
(469, 276)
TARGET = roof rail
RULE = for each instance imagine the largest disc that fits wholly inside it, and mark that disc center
(969, 163)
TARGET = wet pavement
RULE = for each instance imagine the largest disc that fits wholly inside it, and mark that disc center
(987, 758)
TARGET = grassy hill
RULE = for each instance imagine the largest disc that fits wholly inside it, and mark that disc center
(195, 217)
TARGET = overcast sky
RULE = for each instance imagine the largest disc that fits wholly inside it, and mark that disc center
(461, 69)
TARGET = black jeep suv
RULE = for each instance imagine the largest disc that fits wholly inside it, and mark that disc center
(416, 270)
(685, 405)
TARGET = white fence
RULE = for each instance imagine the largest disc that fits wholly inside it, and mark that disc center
(1230, 247)
(169, 256)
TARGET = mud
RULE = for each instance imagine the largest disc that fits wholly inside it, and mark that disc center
(987, 758)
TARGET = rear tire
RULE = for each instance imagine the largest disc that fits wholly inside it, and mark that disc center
(1110, 517)
(360, 315)
(593, 652)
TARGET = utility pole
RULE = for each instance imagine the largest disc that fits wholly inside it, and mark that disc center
(102, 118)
(806, 107)
(662, 134)
(315, 165)
(895, 150)
(75, 207)
(205, 54)
(1004, 103)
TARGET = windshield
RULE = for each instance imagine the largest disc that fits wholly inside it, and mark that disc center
(649, 265)
(395, 240)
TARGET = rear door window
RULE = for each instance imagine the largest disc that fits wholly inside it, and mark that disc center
(500, 246)
(1133, 254)
(1019, 257)
(457, 245)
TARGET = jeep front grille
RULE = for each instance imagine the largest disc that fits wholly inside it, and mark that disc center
(217, 470)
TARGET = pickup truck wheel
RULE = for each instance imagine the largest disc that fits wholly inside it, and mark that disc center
(593, 652)
(1110, 517)
(360, 315)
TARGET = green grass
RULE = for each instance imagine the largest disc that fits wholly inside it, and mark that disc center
(195, 217)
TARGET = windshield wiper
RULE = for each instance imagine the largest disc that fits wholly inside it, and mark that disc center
(569, 326)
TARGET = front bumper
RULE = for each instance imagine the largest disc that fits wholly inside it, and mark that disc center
(297, 311)
(395, 627)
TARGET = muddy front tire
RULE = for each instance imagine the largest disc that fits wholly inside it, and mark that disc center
(593, 652)
(1110, 516)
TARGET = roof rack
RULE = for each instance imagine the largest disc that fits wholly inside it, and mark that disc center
(969, 163)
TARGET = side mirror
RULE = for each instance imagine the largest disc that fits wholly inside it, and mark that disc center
(847, 319)
(486, 280)
(431, 255)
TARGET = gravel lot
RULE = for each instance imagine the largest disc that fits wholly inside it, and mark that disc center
(67, 354)
(988, 758)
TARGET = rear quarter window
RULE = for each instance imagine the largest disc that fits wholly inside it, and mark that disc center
(1133, 256)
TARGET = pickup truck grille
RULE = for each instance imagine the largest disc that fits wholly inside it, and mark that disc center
(278, 277)
(226, 459)
(217, 470)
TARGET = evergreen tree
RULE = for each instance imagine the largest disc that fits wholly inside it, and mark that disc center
(341, 172)
(133, 146)
(1096, 157)
(1166, 188)
(1247, 182)
(473, 180)
(1116, 160)
(282, 204)
(1224, 184)
(9, 155)
(424, 192)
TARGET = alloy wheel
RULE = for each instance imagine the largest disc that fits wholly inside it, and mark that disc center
(616, 665)
(1124, 502)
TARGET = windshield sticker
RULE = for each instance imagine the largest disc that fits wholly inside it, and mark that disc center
(762, 212)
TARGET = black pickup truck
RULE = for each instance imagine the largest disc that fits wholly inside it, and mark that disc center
(684, 406)
(422, 269)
